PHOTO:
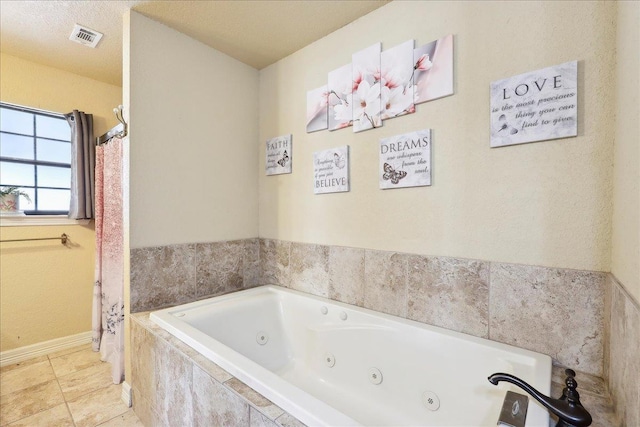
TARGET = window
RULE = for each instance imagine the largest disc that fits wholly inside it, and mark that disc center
(35, 155)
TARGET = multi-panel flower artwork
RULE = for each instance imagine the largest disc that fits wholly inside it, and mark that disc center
(380, 85)
(339, 94)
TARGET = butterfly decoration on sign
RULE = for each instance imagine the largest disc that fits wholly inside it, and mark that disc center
(285, 158)
(505, 126)
(391, 174)
(339, 161)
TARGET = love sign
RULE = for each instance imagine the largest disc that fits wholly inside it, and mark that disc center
(535, 106)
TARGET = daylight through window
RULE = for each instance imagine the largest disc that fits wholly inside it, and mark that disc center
(35, 155)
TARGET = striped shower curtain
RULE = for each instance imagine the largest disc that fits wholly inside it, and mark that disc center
(108, 298)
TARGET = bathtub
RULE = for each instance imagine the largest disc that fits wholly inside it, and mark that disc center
(334, 364)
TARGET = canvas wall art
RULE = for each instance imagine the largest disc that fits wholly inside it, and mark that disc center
(396, 81)
(339, 96)
(279, 155)
(366, 88)
(433, 70)
(317, 109)
(405, 160)
(331, 170)
(535, 106)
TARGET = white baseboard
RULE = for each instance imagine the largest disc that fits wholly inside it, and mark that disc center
(21, 354)
(126, 393)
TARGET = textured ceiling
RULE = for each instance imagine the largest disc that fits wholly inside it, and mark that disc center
(257, 33)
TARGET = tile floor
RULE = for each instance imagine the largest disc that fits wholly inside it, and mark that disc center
(67, 388)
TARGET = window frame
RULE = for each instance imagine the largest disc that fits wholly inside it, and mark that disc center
(35, 162)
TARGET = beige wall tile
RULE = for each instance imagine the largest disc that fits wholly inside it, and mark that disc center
(274, 262)
(288, 420)
(346, 275)
(251, 263)
(144, 408)
(219, 267)
(624, 363)
(309, 268)
(256, 419)
(173, 386)
(212, 369)
(226, 409)
(162, 276)
(264, 405)
(386, 282)
(553, 311)
(449, 292)
(143, 360)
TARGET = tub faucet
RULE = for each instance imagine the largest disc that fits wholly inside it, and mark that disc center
(568, 408)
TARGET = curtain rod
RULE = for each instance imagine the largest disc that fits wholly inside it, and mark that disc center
(30, 109)
(114, 131)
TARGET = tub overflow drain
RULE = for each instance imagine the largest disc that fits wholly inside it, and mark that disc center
(329, 360)
(262, 338)
(375, 376)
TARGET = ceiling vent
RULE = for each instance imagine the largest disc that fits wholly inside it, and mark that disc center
(85, 36)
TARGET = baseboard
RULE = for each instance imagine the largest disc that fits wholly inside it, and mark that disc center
(126, 394)
(27, 352)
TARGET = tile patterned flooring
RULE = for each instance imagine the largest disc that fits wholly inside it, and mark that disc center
(67, 388)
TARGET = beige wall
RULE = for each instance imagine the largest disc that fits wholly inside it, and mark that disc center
(546, 203)
(625, 254)
(45, 288)
(194, 128)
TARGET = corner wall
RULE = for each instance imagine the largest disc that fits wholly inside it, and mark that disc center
(545, 203)
(45, 288)
(625, 251)
(193, 129)
(623, 320)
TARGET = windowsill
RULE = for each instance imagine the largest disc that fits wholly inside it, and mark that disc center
(38, 220)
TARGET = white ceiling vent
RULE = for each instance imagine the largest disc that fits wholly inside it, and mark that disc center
(85, 36)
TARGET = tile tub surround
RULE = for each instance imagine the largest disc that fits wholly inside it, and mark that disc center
(571, 315)
(559, 312)
(624, 353)
(172, 384)
(163, 276)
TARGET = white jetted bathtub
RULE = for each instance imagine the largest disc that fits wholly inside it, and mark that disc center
(335, 364)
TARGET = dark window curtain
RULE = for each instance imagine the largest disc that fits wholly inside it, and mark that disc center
(83, 160)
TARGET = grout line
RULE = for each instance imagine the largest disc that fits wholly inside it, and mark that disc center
(489, 303)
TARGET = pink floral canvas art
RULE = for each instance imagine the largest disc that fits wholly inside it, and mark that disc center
(433, 70)
(366, 88)
(317, 109)
(339, 97)
(396, 81)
